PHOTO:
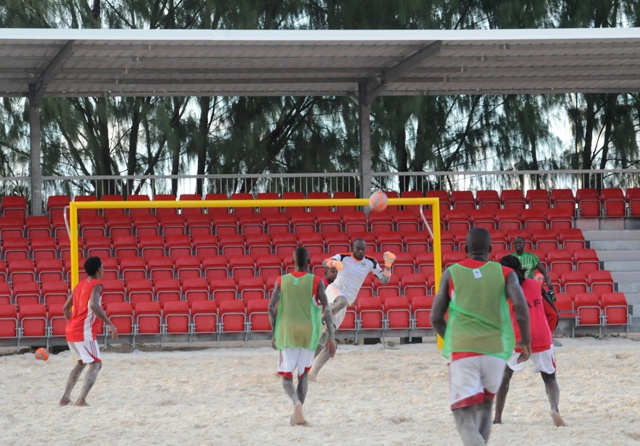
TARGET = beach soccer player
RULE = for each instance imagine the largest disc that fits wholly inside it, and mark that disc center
(542, 352)
(82, 311)
(353, 268)
(297, 309)
(478, 336)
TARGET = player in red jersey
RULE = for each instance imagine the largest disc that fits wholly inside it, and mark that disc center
(82, 311)
(543, 356)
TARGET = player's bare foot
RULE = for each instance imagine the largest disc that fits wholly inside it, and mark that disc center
(497, 421)
(297, 415)
(81, 403)
(312, 377)
(557, 419)
(65, 401)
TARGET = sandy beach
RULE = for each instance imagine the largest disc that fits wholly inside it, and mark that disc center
(374, 395)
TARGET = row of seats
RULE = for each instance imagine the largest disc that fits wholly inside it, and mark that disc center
(587, 202)
(175, 246)
(591, 309)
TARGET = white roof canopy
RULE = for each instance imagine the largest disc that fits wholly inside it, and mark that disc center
(61, 62)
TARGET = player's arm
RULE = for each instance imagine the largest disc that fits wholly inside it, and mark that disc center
(384, 275)
(441, 305)
(521, 310)
(540, 267)
(273, 311)
(66, 308)
(94, 305)
(333, 262)
(328, 319)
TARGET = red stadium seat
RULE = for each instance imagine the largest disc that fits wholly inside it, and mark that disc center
(574, 282)
(257, 244)
(559, 261)
(176, 317)
(33, 320)
(188, 267)
(354, 221)
(336, 242)
(195, 289)
(133, 268)
(243, 196)
(38, 226)
(258, 315)
(600, 282)
(416, 241)
(56, 321)
(26, 293)
(414, 285)
(483, 218)
(15, 248)
(199, 224)
(457, 220)
(564, 305)
(613, 202)
(145, 224)
(217, 210)
(571, 239)
(389, 289)
(20, 271)
(328, 221)
(381, 221)
(443, 196)
(56, 204)
(533, 219)
(98, 246)
(119, 224)
(232, 245)
(151, 246)
(488, 200)
(266, 210)
(349, 322)
(125, 246)
(242, 266)
(284, 242)
(172, 224)
(204, 314)
(268, 265)
(421, 309)
(389, 241)
(167, 290)
(277, 223)
(250, 288)
(215, 267)
(512, 199)
(8, 321)
(370, 313)
(160, 268)
(342, 196)
(232, 316)
(54, 292)
(545, 239)
(559, 219)
(586, 260)
(451, 257)
(134, 212)
(538, 199)
(406, 220)
(121, 315)
(112, 292)
(91, 225)
(43, 248)
(163, 212)
(11, 227)
(251, 223)
(563, 199)
(614, 309)
(508, 219)
(48, 270)
(205, 245)
(397, 313)
(404, 263)
(191, 211)
(587, 306)
(463, 200)
(223, 289)
(633, 200)
(148, 317)
(107, 213)
(178, 246)
(139, 291)
(424, 263)
(588, 201)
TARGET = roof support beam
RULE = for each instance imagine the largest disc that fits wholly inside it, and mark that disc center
(364, 117)
(377, 85)
(56, 64)
(36, 151)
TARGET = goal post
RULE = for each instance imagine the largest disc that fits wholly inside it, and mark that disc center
(74, 206)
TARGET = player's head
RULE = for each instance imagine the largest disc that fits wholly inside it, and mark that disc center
(330, 274)
(93, 267)
(359, 248)
(478, 243)
(518, 245)
(514, 263)
(301, 259)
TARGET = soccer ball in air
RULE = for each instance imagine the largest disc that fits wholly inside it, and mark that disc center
(378, 201)
(42, 354)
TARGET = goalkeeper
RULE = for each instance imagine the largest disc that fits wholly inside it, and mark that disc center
(353, 268)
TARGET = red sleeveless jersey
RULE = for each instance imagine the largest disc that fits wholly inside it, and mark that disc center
(83, 325)
(540, 333)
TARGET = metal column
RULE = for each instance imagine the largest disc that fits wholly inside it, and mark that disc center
(365, 140)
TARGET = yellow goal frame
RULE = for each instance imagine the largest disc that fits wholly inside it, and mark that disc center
(74, 206)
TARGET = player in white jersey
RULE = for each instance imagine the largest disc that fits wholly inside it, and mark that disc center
(353, 268)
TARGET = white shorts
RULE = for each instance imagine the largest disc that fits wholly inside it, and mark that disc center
(86, 351)
(474, 379)
(542, 362)
(290, 358)
(332, 293)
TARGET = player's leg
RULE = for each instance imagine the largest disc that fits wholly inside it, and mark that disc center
(466, 422)
(71, 383)
(553, 393)
(501, 396)
(338, 304)
(483, 418)
(322, 343)
(491, 372)
(323, 356)
(90, 353)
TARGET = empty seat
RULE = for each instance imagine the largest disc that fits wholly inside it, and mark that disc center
(397, 313)
(43, 247)
(414, 285)
(242, 266)
(559, 261)
(26, 293)
(632, 196)
(199, 224)
(145, 224)
(574, 282)
(318, 196)
(588, 201)
(404, 263)
(533, 219)
(98, 246)
(204, 314)
(243, 196)
(15, 248)
(167, 290)
(125, 246)
(560, 219)
(586, 260)
(188, 267)
(215, 267)
(257, 244)
(33, 320)
(600, 282)
(563, 199)
(112, 291)
(389, 289)
(564, 305)
(463, 200)
(293, 196)
(451, 257)
(613, 202)
(119, 225)
(13, 206)
(421, 309)
(251, 223)
(38, 226)
(424, 263)
(172, 224)
(160, 268)
(483, 218)
(151, 246)
(176, 317)
(54, 292)
(222, 209)
(587, 306)
(488, 200)
(92, 225)
(284, 242)
(370, 313)
(337, 242)
(56, 321)
(615, 310)
(571, 239)
(277, 223)
(48, 270)
(512, 199)
(21, 270)
(268, 265)
(507, 219)
(390, 241)
(223, 288)
(8, 321)
(258, 316)
(191, 211)
(416, 241)
(457, 220)
(107, 213)
(139, 291)
(133, 268)
(443, 197)
(148, 318)
(178, 245)
(232, 245)
(354, 221)
(265, 210)
(56, 204)
(121, 315)
(406, 220)
(224, 224)
(204, 245)
(250, 288)
(232, 316)
(381, 221)
(195, 289)
(538, 199)
(162, 212)
(328, 221)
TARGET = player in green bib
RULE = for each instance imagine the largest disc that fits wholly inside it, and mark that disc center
(531, 263)
(297, 309)
(478, 336)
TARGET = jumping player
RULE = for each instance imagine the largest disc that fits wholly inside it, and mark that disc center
(353, 267)
(478, 337)
(82, 311)
(296, 314)
(542, 356)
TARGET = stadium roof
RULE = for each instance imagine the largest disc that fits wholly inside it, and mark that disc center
(87, 62)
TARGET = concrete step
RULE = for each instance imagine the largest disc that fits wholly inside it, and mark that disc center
(626, 286)
(617, 255)
(633, 299)
(625, 265)
(617, 245)
(612, 235)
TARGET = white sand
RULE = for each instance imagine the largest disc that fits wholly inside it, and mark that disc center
(367, 395)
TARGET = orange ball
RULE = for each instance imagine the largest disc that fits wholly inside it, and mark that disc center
(378, 201)
(42, 354)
